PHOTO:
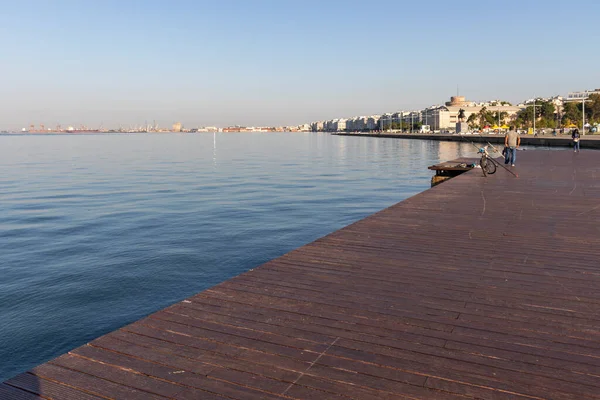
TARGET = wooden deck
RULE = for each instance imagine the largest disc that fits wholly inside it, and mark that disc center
(479, 288)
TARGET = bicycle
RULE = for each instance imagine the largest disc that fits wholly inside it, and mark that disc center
(487, 163)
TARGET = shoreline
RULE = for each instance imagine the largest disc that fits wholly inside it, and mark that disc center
(587, 142)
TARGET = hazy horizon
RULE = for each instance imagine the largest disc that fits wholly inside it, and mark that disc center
(272, 63)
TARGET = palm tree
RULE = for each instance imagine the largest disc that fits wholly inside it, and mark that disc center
(472, 121)
(482, 115)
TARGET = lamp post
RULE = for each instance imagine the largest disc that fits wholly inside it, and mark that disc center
(534, 117)
(534, 106)
(583, 99)
(401, 121)
(498, 119)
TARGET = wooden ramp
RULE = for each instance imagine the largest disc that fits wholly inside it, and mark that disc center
(479, 288)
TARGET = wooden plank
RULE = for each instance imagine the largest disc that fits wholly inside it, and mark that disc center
(128, 375)
(91, 384)
(157, 338)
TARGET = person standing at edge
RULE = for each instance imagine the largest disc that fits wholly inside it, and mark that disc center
(512, 141)
(575, 137)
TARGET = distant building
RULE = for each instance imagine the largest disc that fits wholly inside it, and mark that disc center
(372, 122)
(177, 127)
(304, 128)
(234, 129)
(340, 126)
(437, 117)
(446, 117)
(578, 96)
(317, 126)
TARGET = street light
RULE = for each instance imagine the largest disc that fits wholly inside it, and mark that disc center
(401, 121)
(498, 110)
(583, 99)
(534, 106)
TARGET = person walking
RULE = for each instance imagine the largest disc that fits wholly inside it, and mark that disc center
(575, 137)
(512, 141)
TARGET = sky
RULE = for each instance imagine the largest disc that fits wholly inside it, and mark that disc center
(282, 62)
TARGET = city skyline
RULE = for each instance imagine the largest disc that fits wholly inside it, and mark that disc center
(269, 63)
(154, 126)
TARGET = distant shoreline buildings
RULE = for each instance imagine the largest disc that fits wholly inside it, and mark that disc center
(177, 127)
(439, 117)
(435, 118)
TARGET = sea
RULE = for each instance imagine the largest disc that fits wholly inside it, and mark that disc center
(100, 230)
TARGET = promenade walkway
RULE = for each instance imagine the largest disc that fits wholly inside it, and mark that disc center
(479, 288)
(587, 141)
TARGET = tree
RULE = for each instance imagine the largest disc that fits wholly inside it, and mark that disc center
(482, 117)
(524, 117)
(500, 119)
(472, 121)
(485, 117)
(592, 108)
(547, 115)
(547, 109)
(571, 113)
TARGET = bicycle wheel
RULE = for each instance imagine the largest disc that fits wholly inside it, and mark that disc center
(483, 164)
(490, 167)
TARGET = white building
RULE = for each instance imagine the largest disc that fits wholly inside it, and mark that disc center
(372, 122)
(445, 117)
(317, 126)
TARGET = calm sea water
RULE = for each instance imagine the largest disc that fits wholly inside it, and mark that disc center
(97, 231)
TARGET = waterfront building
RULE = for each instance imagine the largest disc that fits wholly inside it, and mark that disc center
(445, 117)
(385, 121)
(331, 125)
(316, 126)
(410, 117)
(579, 96)
(438, 117)
(177, 127)
(351, 124)
(372, 122)
(304, 128)
(358, 124)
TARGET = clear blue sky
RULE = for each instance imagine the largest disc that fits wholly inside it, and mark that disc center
(273, 62)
